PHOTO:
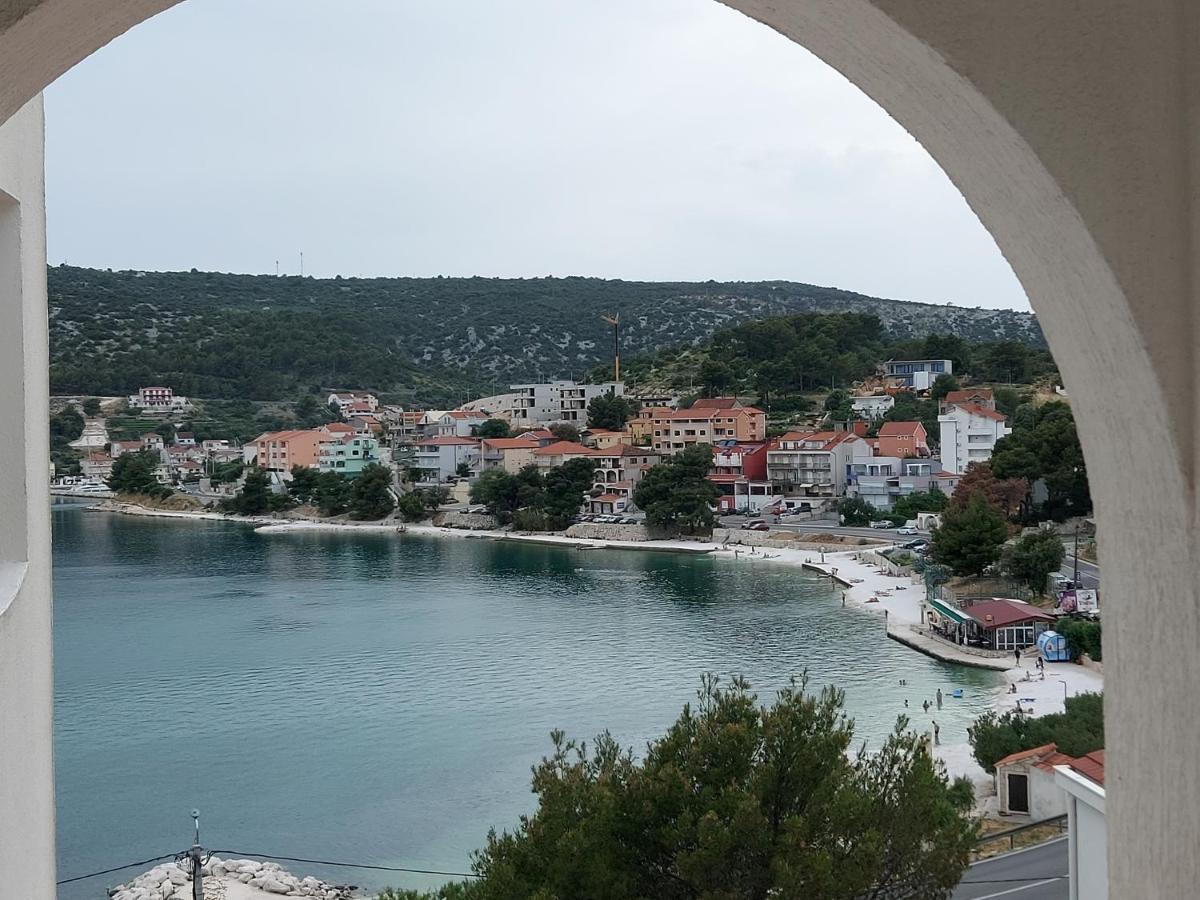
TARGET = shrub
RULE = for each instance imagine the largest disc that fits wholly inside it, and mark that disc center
(1083, 636)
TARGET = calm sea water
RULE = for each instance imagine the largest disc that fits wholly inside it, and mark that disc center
(382, 699)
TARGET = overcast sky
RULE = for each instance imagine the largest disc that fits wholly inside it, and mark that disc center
(639, 139)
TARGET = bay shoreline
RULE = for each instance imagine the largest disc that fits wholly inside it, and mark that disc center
(864, 587)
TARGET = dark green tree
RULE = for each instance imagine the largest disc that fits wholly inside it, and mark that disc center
(91, 407)
(564, 491)
(133, 473)
(565, 431)
(493, 428)
(738, 801)
(65, 427)
(970, 536)
(677, 494)
(463, 470)
(857, 511)
(167, 431)
(942, 385)
(504, 493)
(1033, 556)
(304, 484)
(610, 411)
(371, 493)
(1077, 731)
(412, 507)
(254, 499)
(331, 494)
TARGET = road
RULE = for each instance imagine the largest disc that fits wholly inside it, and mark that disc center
(1089, 573)
(1034, 873)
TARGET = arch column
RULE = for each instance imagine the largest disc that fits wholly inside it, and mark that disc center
(1071, 130)
(26, 676)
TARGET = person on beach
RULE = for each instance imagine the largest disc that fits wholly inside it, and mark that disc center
(1041, 664)
(843, 598)
(906, 703)
(1017, 655)
(937, 734)
(939, 698)
(926, 705)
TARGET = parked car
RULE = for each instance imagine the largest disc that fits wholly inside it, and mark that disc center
(755, 525)
(906, 530)
(917, 546)
(881, 523)
(477, 510)
(628, 520)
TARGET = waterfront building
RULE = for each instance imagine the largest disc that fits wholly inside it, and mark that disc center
(509, 454)
(347, 454)
(882, 480)
(674, 430)
(280, 451)
(438, 458)
(816, 463)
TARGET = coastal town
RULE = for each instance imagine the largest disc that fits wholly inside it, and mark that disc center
(853, 494)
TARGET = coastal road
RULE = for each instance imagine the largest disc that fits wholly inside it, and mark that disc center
(1089, 572)
(1034, 873)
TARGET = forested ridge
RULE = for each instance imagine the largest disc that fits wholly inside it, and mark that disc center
(426, 340)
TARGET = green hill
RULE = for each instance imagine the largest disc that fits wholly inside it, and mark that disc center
(426, 340)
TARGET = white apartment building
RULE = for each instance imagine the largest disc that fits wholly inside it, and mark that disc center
(157, 399)
(968, 434)
(815, 464)
(555, 401)
(438, 458)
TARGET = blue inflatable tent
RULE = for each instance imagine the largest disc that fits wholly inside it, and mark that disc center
(1053, 646)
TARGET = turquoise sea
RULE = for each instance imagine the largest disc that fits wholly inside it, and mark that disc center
(381, 699)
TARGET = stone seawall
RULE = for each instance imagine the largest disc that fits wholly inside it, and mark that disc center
(472, 521)
(792, 540)
(597, 531)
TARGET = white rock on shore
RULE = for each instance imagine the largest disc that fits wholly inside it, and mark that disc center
(227, 879)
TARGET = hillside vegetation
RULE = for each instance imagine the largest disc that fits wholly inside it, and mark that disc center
(425, 340)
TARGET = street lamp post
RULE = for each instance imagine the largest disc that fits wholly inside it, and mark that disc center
(1064, 684)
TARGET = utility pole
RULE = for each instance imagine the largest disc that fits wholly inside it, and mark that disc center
(1076, 555)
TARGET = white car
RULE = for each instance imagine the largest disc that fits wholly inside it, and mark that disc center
(906, 530)
(881, 523)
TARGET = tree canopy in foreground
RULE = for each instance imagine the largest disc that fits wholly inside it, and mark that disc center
(736, 801)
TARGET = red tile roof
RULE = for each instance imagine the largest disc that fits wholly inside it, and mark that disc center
(558, 448)
(1004, 612)
(334, 427)
(621, 450)
(716, 403)
(977, 410)
(1090, 766)
(610, 498)
(827, 439)
(968, 396)
(894, 429)
(1042, 751)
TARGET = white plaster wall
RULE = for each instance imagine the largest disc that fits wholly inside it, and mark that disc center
(26, 740)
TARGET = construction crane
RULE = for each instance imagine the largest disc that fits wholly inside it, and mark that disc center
(615, 322)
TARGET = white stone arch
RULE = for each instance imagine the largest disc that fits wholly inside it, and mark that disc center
(1069, 126)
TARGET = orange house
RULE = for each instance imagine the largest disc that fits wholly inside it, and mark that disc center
(902, 439)
(280, 451)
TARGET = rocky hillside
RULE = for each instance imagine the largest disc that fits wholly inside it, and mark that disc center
(434, 339)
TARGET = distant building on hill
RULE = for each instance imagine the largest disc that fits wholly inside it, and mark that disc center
(873, 407)
(158, 399)
(918, 374)
(543, 403)
(353, 401)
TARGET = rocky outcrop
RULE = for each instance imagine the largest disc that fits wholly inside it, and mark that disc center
(170, 881)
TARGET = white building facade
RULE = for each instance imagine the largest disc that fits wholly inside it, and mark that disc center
(542, 403)
(969, 434)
